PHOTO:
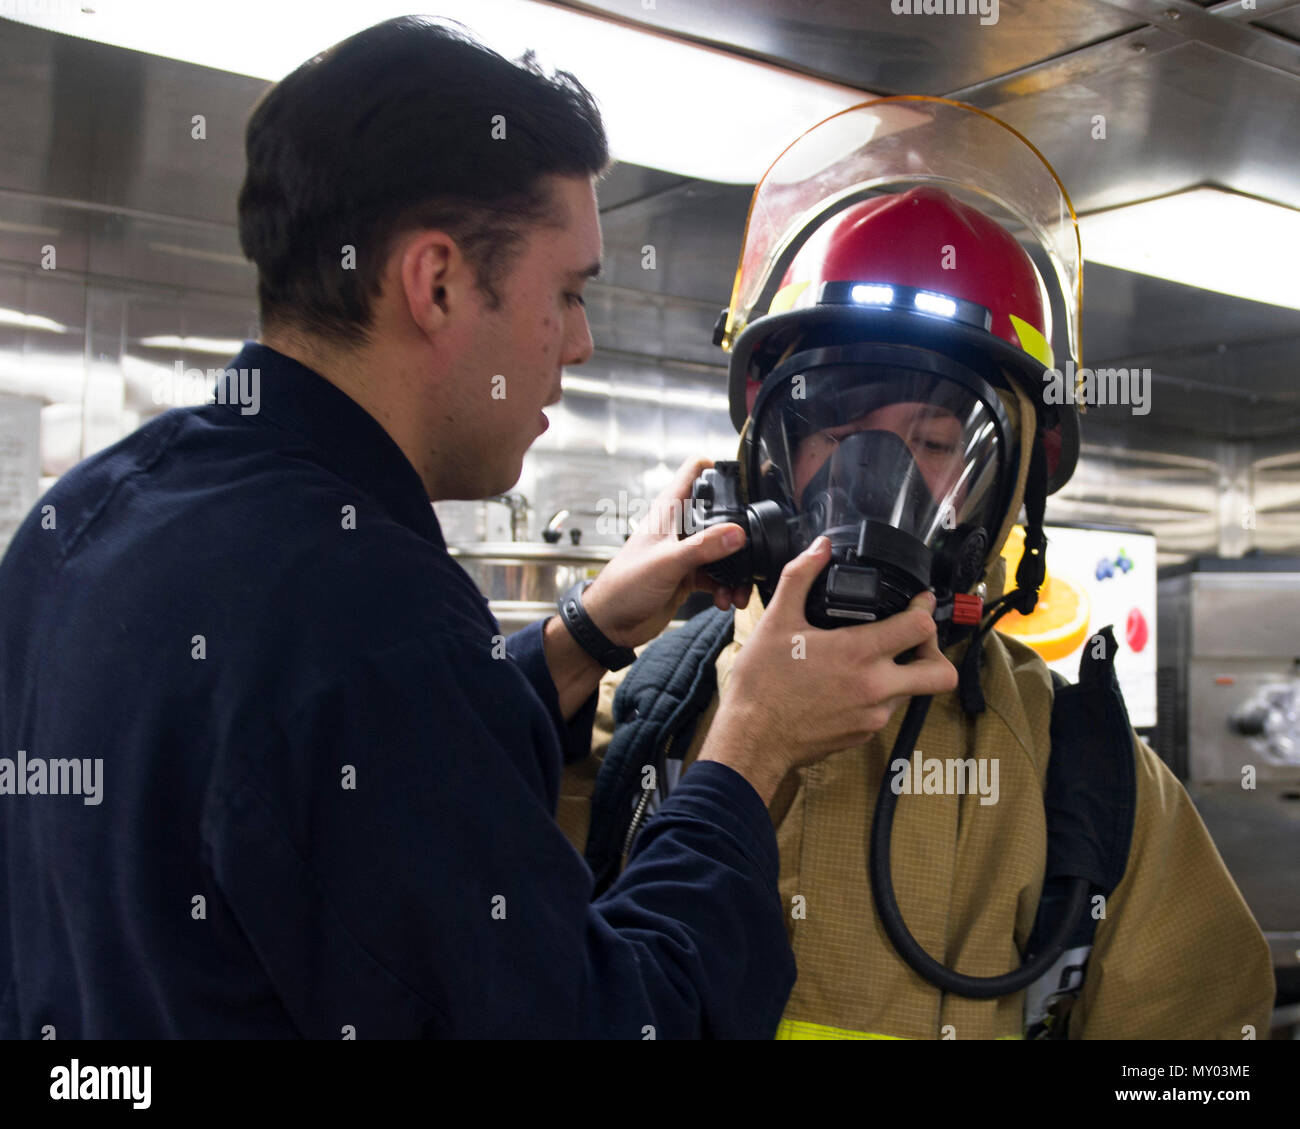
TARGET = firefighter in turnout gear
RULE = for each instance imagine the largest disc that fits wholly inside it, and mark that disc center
(1009, 859)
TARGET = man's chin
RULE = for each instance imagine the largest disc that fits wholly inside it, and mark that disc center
(505, 480)
(484, 473)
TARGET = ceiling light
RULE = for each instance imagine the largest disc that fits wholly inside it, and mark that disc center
(667, 103)
(1204, 237)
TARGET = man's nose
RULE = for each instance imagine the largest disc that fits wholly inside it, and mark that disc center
(578, 343)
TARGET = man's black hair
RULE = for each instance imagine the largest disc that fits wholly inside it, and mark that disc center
(393, 130)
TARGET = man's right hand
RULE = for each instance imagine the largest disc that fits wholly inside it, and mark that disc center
(798, 692)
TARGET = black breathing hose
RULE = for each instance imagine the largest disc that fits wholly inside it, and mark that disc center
(882, 890)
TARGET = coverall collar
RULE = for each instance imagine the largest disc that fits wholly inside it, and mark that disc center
(354, 444)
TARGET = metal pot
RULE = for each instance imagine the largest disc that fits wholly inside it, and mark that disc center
(522, 579)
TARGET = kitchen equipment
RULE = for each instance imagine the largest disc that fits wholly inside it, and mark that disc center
(1228, 639)
(1228, 630)
(522, 579)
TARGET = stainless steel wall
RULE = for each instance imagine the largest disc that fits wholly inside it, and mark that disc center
(119, 260)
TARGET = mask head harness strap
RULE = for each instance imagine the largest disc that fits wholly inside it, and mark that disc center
(1030, 574)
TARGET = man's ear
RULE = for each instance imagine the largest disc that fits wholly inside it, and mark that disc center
(429, 266)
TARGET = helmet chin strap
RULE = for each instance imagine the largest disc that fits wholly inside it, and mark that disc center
(742, 459)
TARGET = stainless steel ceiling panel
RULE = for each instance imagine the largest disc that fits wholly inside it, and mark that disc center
(627, 184)
(669, 259)
(46, 145)
(115, 127)
(1129, 315)
(1190, 115)
(1236, 37)
(691, 234)
(1222, 366)
(866, 45)
(1285, 23)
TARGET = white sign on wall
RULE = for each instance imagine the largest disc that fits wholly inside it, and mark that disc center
(20, 461)
(1095, 577)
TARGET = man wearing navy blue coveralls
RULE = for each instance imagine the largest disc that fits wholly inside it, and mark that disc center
(315, 786)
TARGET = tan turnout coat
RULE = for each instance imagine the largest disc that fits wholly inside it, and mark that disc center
(1177, 955)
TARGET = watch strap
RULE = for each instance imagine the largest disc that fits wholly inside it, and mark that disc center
(587, 635)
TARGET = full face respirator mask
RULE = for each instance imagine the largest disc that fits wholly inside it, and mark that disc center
(903, 458)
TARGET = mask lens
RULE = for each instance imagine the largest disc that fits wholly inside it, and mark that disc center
(842, 444)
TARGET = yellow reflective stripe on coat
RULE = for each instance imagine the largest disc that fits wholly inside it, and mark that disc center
(798, 1029)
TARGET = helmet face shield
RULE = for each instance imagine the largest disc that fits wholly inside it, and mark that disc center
(888, 145)
(841, 444)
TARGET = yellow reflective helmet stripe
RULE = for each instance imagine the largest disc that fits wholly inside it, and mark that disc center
(785, 298)
(1033, 342)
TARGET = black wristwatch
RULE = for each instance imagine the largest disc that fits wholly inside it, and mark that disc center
(590, 637)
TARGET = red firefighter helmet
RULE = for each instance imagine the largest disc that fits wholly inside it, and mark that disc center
(860, 263)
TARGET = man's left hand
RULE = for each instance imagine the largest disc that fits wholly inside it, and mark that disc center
(637, 593)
